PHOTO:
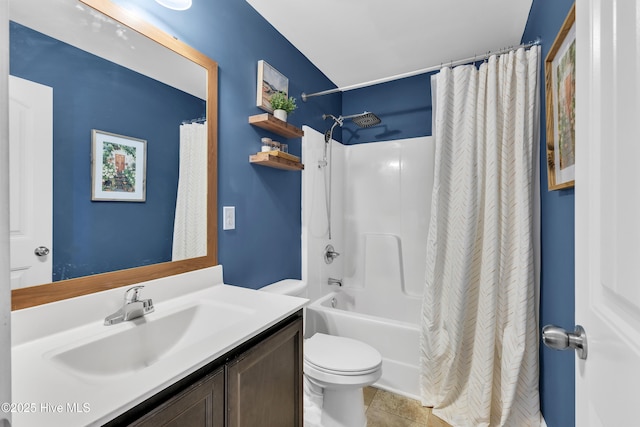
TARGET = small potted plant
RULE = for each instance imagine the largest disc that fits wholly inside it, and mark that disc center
(282, 106)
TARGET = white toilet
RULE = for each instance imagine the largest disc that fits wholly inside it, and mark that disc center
(337, 368)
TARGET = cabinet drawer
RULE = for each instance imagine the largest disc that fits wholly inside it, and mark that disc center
(201, 405)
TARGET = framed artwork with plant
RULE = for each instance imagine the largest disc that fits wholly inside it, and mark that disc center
(118, 167)
(270, 81)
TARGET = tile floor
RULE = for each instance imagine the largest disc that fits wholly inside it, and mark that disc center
(385, 409)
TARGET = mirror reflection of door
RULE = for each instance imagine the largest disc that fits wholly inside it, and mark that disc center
(30, 168)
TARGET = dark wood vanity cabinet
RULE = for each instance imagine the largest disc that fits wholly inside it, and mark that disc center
(201, 405)
(264, 384)
(259, 384)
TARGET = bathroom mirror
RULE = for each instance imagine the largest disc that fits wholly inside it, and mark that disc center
(153, 59)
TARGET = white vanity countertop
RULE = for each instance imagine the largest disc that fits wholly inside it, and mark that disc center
(46, 393)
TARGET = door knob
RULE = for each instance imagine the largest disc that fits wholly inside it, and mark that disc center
(559, 339)
(41, 251)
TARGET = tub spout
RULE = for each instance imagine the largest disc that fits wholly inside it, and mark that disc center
(333, 281)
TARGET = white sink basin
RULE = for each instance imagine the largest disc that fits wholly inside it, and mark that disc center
(75, 358)
(128, 347)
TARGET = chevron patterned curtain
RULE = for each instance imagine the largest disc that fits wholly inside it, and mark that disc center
(190, 224)
(479, 343)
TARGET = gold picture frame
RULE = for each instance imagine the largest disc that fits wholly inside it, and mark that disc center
(560, 69)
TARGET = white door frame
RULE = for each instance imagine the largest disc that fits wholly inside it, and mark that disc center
(5, 283)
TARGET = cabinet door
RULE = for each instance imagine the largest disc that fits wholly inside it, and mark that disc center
(265, 383)
(201, 405)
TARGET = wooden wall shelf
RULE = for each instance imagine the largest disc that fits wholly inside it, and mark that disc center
(270, 123)
(275, 161)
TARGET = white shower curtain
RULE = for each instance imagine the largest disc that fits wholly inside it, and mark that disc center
(190, 225)
(479, 343)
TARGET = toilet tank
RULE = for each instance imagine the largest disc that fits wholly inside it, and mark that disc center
(292, 287)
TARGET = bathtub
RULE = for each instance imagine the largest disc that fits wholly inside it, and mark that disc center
(391, 327)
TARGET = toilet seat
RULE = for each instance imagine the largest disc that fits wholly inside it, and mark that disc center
(341, 355)
(346, 373)
(334, 362)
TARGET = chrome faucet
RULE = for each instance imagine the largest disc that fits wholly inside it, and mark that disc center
(333, 281)
(133, 307)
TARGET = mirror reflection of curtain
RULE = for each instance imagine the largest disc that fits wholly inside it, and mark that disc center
(190, 226)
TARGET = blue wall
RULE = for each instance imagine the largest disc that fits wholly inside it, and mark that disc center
(92, 93)
(557, 303)
(265, 246)
(404, 106)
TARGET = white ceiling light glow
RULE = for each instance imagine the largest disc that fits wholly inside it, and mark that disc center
(175, 4)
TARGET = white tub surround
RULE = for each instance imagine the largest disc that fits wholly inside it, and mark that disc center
(381, 204)
(46, 339)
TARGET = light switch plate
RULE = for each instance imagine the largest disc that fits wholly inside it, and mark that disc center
(229, 217)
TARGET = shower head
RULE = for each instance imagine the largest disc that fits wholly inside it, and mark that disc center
(366, 119)
(336, 121)
(328, 134)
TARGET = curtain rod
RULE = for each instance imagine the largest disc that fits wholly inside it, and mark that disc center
(192, 121)
(471, 59)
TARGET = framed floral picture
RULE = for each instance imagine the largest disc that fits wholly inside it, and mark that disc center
(118, 167)
(560, 84)
(270, 81)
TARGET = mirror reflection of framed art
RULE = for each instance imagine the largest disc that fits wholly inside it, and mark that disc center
(118, 165)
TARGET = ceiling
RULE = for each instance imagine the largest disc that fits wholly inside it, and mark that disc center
(356, 41)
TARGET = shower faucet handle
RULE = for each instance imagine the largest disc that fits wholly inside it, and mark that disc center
(330, 254)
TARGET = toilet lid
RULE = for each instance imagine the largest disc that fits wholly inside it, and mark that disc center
(341, 354)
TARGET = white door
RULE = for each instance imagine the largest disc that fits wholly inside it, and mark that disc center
(30, 168)
(607, 211)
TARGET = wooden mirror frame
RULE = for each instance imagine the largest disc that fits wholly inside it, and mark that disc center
(50, 292)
